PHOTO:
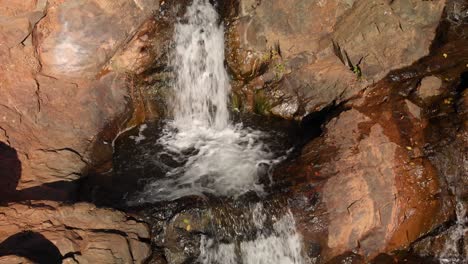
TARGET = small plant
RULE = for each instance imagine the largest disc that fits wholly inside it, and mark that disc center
(235, 102)
(357, 70)
(279, 70)
(344, 58)
(261, 104)
(266, 56)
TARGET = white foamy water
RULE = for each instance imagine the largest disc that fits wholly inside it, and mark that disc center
(217, 156)
(202, 83)
(209, 153)
(451, 252)
(281, 246)
(140, 136)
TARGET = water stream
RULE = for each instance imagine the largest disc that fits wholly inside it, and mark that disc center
(212, 154)
(451, 250)
(216, 156)
(280, 245)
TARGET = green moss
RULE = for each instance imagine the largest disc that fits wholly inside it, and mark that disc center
(236, 103)
(261, 104)
(266, 57)
(357, 70)
(279, 70)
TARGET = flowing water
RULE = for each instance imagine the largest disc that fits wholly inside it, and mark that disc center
(280, 245)
(451, 251)
(216, 156)
(208, 152)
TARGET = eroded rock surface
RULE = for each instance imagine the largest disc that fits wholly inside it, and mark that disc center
(62, 105)
(297, 57)
(79, 233)
(77, 38)
(57, 93)
(371, 186)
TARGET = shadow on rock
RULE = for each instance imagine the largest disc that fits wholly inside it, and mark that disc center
(32, 246)
(10, 174)
(10, 171)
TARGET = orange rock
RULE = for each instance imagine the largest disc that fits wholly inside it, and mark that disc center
(373, 195)
(80, 233)
(56, 97)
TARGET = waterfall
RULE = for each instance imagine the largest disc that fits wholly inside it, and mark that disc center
(208, 153)
(212, 155)
(282, 245)
(202, 84)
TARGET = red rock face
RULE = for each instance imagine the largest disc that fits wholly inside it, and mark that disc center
(373, 189)
(65, 92)
(56, 97)
(306, 55)
(77, 38)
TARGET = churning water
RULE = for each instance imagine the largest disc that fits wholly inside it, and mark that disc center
(217, 157)
(281, 246)
(212, 154)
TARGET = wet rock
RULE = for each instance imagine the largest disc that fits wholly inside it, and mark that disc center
(375, 190)
(320, 61)
(457, 12)
(79, 233)
(226, 221)
(413, 109)
(180, 243)
(463, 108)
(350, 258)
(441, 245)
(430, 87)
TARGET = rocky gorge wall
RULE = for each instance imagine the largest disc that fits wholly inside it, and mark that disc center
(74, 74)
(65, 96)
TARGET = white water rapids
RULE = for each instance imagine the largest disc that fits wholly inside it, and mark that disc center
(282, 246)
(216, 156)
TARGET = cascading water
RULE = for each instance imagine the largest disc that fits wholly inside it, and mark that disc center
(281, 245)
(202, 85)
(217, 156)
(451, 251)
(211, 154)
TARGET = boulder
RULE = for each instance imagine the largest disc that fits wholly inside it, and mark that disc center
(430, 87)
(305, 64)
(78, 37)
(369, 186)
(79, 233)
(61, 105)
